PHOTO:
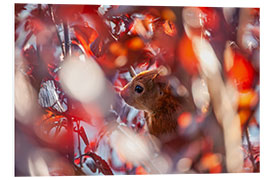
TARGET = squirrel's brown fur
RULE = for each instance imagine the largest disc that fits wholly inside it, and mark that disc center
(157, 100)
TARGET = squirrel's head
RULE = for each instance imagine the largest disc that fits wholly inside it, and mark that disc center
(145, 89)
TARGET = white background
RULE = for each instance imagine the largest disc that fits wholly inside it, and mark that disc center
(7, 82)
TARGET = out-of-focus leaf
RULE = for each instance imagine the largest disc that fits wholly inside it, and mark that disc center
(241, 72)
(84, 136)
(140, 171)
(51, 128)
(187, 56)
(210, 18)
(85, 35)
(92, 166)
(101, 164)
(91, 146)
(248, 98)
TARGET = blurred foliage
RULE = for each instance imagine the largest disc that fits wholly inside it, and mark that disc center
(117, 37)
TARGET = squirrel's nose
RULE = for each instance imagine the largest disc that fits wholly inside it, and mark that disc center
(124, 93)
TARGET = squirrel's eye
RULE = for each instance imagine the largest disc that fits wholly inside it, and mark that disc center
(139, 89)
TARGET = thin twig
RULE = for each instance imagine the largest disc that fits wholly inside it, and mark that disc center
(251, 157)
(71, 145)
(56, 29)
(79, 140)
(66, 37)
(250, 150)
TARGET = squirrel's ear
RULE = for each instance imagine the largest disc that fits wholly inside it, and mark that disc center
(132, 72)
(154, 78)
(163, 87)
(157, 78)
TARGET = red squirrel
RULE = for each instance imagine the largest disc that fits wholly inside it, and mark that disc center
(151, 92)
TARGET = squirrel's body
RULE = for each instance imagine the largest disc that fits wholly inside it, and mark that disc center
(163, 119)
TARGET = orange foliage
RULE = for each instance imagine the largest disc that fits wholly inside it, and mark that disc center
(140, 171)
(168, 14)
(117, 49)
(187, 56)
(241, 73)
(85, 36)
(169, 28)
(135, 43)
(244, 115)
(184, 120)
(247, 98)
(211, 162)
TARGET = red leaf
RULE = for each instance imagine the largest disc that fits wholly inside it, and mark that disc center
(68, 12)
(85, 36)
(101, 164)
(77, 161)
(84, 136)
(35, 25)
(210, 18)
(90, 147)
